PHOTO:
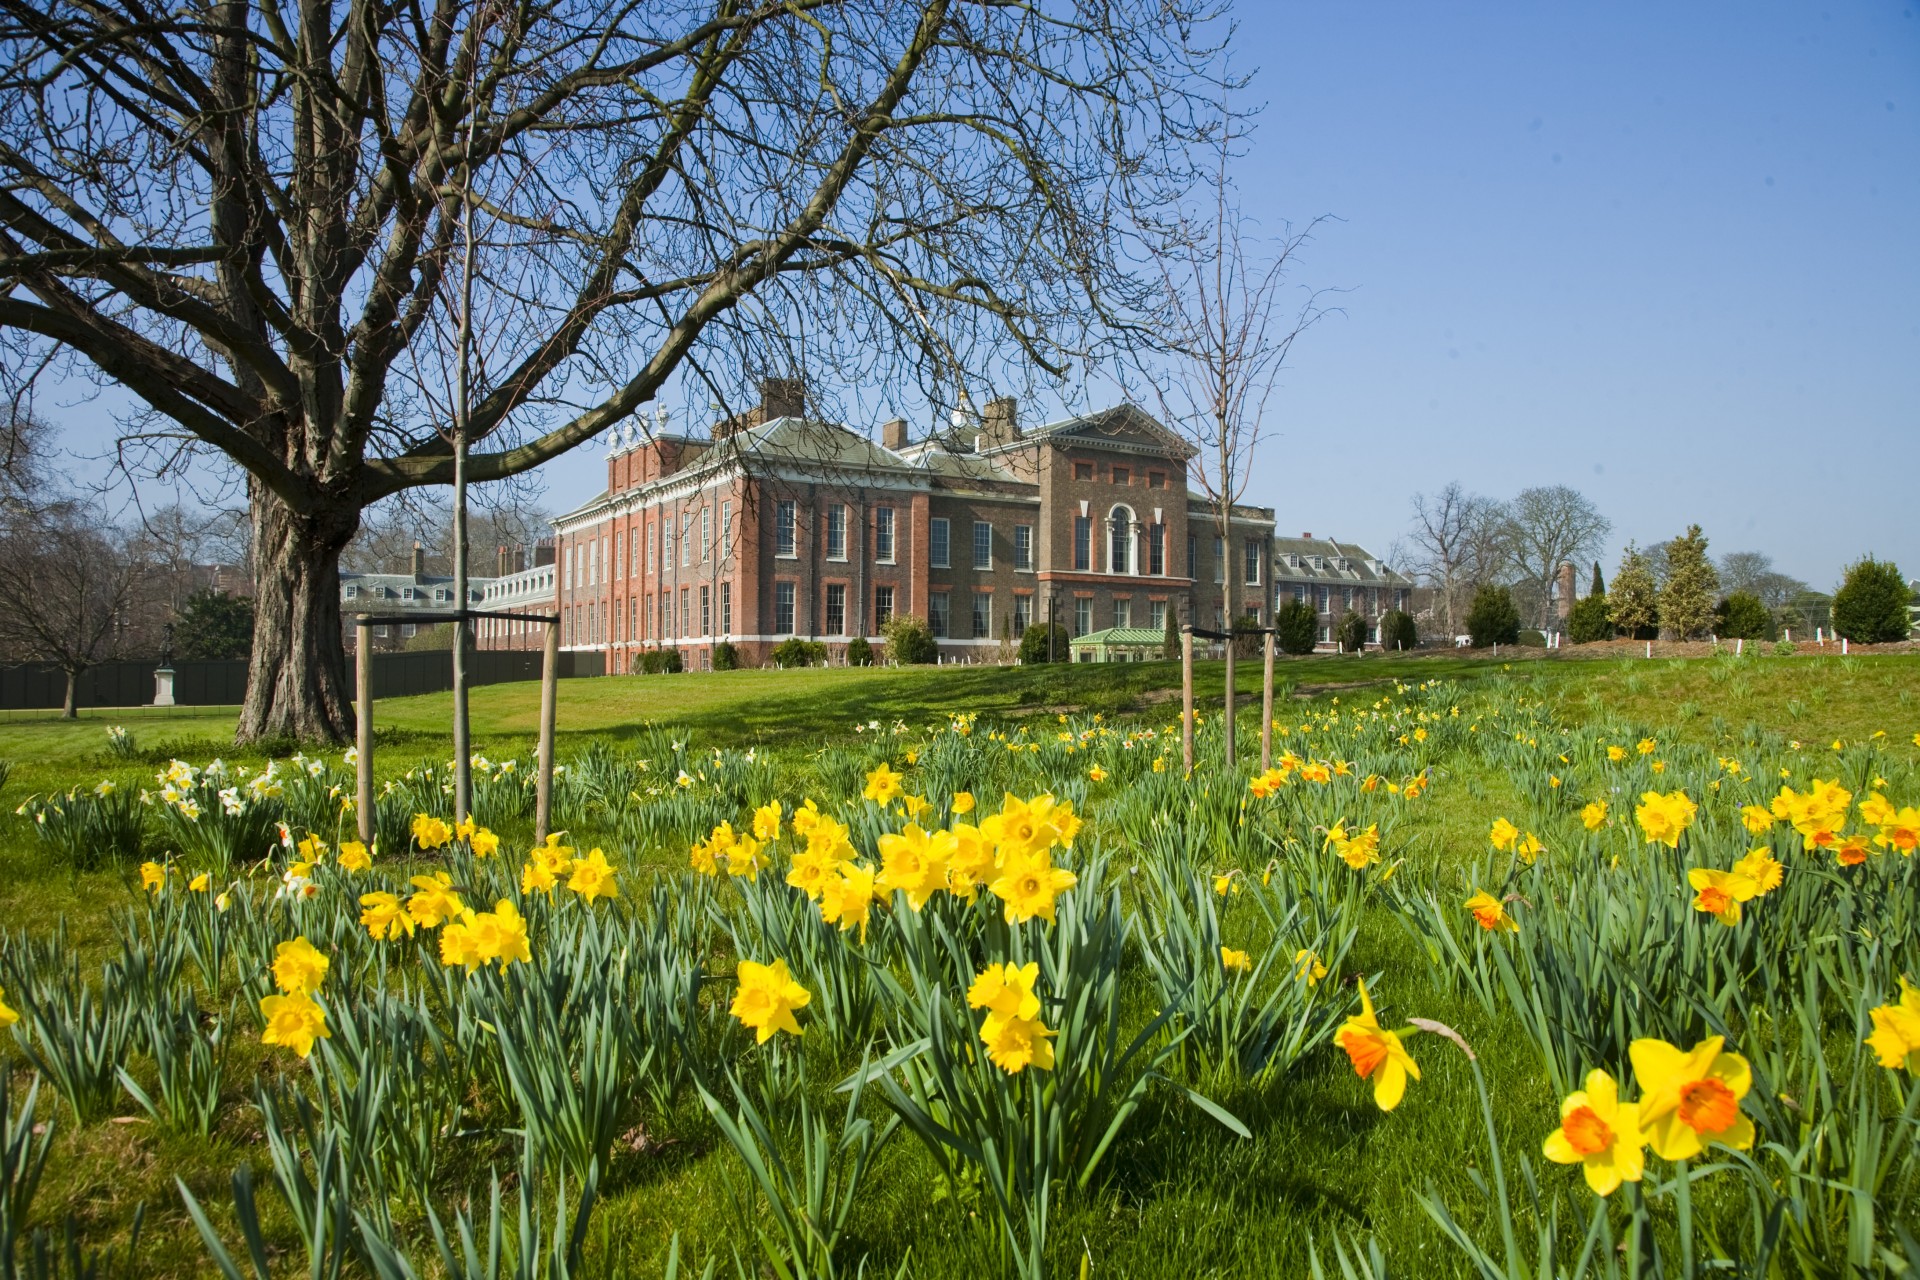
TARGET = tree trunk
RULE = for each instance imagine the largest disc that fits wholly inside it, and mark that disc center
(297, 684)
(69, 710)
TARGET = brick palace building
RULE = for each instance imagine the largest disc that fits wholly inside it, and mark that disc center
(780, 525)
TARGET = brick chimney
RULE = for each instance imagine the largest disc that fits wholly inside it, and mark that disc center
(1001, 422)
(782, 398)
(1564, 580)
(893, 435)
(1306, 535)
(419, 560)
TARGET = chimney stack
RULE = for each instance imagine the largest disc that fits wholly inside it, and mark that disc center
(1001, 421)
(1306, 535)
(501, 570)
(782, 398)
(1564, 578)
(419, 559)
(893, 435)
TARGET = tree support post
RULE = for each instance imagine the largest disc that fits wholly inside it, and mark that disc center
(549, 691)
(1266, 709)
(1186, 697)
(363, 728)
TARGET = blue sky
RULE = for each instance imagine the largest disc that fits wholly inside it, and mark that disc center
(1667, 254)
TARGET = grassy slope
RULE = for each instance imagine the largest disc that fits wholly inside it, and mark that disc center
(1179, 1197)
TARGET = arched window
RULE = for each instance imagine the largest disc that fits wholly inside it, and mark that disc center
(1120, 540)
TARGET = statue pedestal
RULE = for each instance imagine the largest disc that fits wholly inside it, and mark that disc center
(163, 687)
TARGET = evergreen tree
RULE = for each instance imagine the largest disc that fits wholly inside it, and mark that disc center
(1871, 605)
(1170, 642)
(1352, 633)
(1686, 601)
(214, 624)
(1588, 621)
(1398, 631)
(1631, 599)
(1599, 587)
(1298, 626)
(1494, 618)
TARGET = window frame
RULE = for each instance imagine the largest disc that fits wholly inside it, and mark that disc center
(885, 541)
(982, 564)
(1023, 547)
(883, 604)
(837, 531)
(783, 608)
(939, 543)
(786, 529)
(833, 626)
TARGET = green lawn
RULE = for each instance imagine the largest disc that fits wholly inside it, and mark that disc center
(1176, 1197)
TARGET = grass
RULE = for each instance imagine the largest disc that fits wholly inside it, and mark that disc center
(1176, 1198)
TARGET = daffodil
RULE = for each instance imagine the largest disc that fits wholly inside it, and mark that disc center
(354, 856)
(1594, 815)
(1490, 913)
(1665, 818)
(434, 900)
(846, 899)
(1235, 961)
(1377, 1054)
(1012, 1032)
(766, 822)
(1761, 867)
(1719, 893)
(1504, 834)
(1308, 967)
(153, 877)
(1896, 1030)
(883, 785)
(298, 967)
(592, 877)
(293, 1022)
(909, 864)
(766, 999)
(7, 1016)
(385, 916)
(1690, 1099)
(1028, 885)
(1600, 1133)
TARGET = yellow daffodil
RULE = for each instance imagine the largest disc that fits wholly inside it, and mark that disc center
(1235, 961)
(354, 856)
(766, 822)
(1896, 1030)
(1719, 893)
(1013, 1033)
(293, 1022)
(766, 999)
(1761, 867)
(385, 916)
(1663, 819)
(1690, 1099)
(1308, 967)
(298, 967)
(1504, 834)
(1490, 913)
(910, 864)
(434, 902)
(1377, 1054)
(1600, 1133)
(1028, 885)
(153, 877)
(592, 877)
(883, 786)
(7, 1016)
(1594, 816)
(847, 898)
(962, 802)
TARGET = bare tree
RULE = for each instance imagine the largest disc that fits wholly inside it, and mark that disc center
(1753, 571)
(1459, 542)
(1226, 319)
(71, 591)
(246, 214)
(1546, 527)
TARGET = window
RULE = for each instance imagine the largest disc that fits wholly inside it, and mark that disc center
(686, 611)
(1326, 600)
(1346, 598)
(1083, 471)
(1083, 543)
(836, 608)
(982, 545)
(1123, 613)
(619, 555)
(1219, 559)
(937, 614)
(1250, 552)
(569, 570)
(686, 542)
(634, 563)
(706, 611)
(706, 534)
(1022, 613)
(352, 592)
(634, 617)
(406, 593)
(1123, 475)
(380, 632)
(1120, 541)
(982, 616)
(1156, 479)
(649, 542)
(1157, 550)
(837, 531)
(726, 526)
(1373, 601)
(408, 630)
(1082, 615)
(662, 624)
(1400, 599)
(1023, 546)
(1300, 592)
(883, 534)
(882, 606)
(1157, 614)
(783, 608)
(783, 522)
(938, 535)
(726, 608)
(440, 595)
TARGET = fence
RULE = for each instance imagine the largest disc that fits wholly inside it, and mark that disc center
(40, 685)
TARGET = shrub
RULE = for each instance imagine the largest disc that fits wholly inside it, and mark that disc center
(1741, 616)
(1170, 639)
(725, 656)
(1494, 619)
(214, 624)
(1588, 621)
(909, 640)
(1630, 601)
(1033, 645)
(1298, 626)
(658, 661)
(859, 652)
(1351, 633)
(795, 652)
(1531, 639)
(1398, 630)
(1871, 605)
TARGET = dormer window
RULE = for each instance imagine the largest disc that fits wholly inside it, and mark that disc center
(439, 595)
(406, 593)
(352, 592)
